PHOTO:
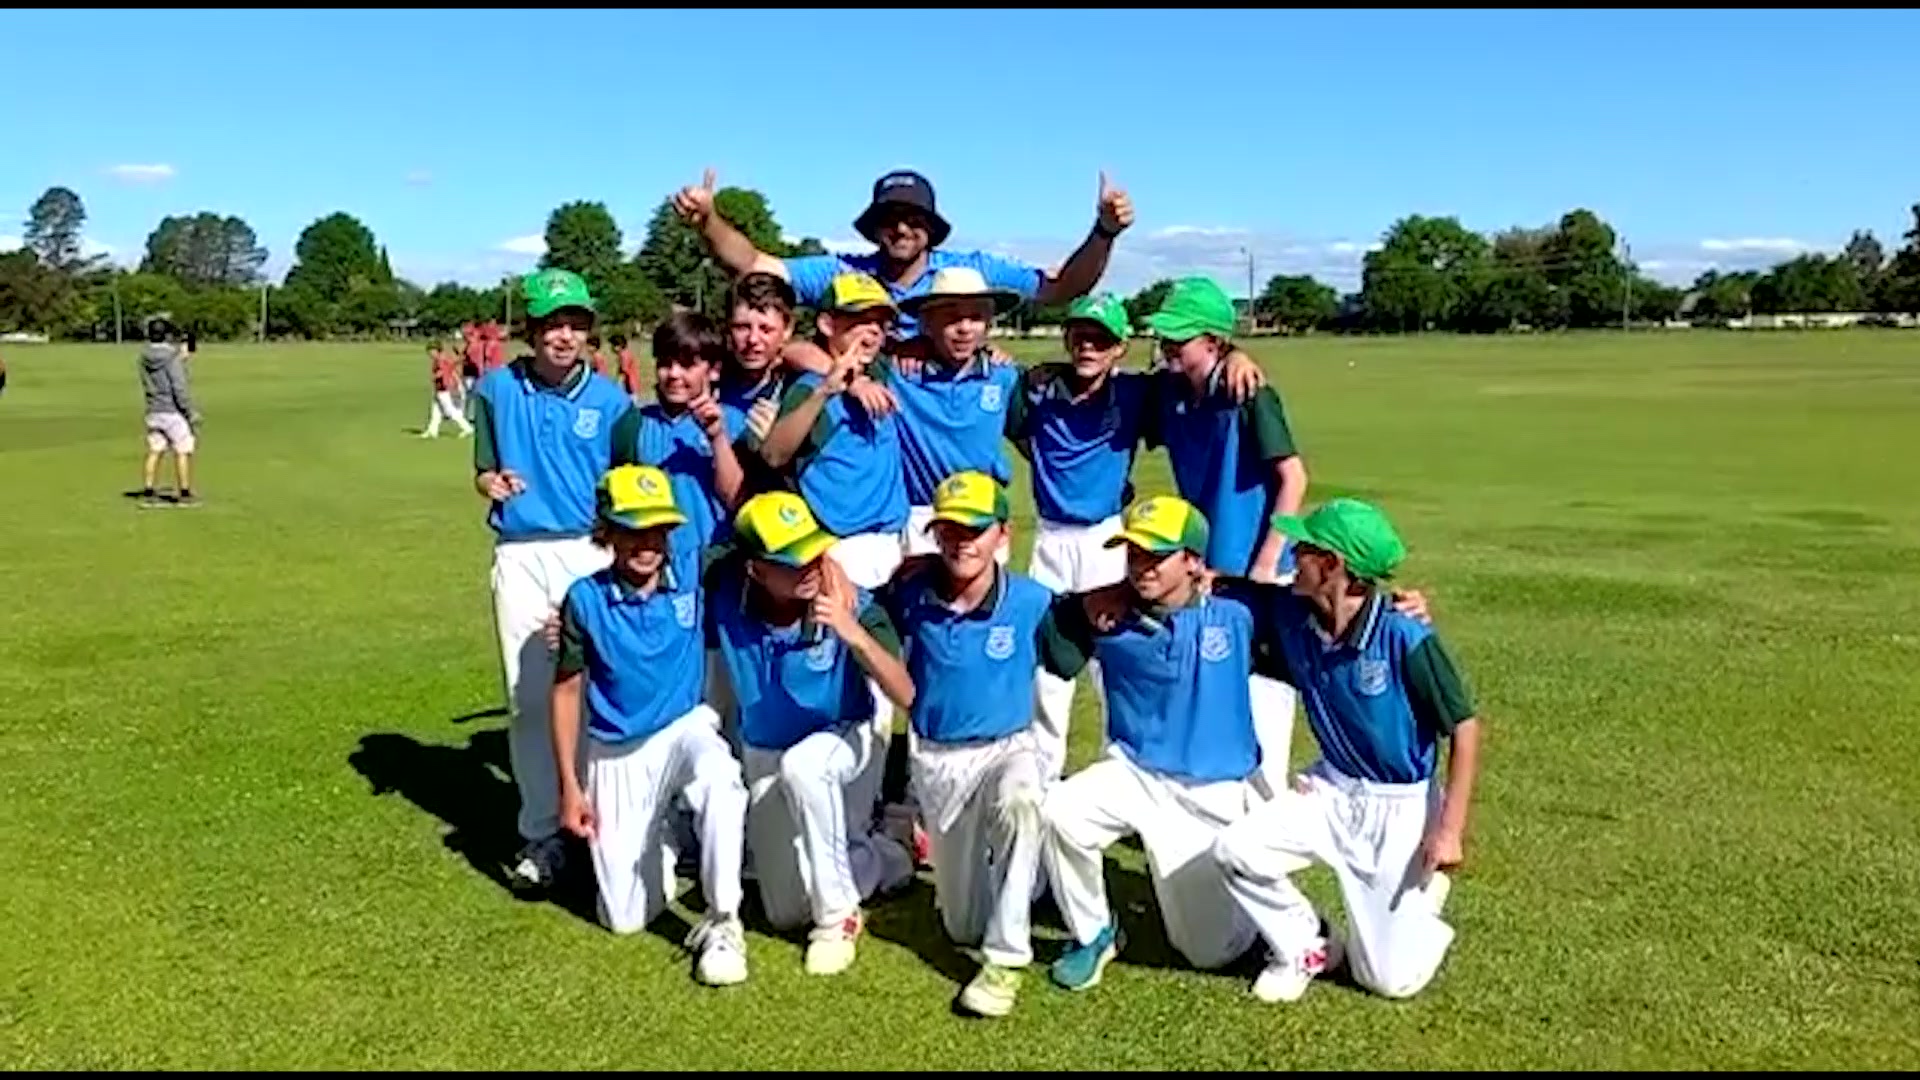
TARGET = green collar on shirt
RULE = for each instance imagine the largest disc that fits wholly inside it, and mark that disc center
(569, 387)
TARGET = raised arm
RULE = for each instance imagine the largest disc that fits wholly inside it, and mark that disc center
(730, 247)
(1083, 269)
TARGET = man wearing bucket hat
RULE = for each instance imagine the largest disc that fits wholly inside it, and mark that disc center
(1234, 460)
(631, 650)
(1381, 693)
(974, 634)
(907, 230)
(800, 642)
(543, 429)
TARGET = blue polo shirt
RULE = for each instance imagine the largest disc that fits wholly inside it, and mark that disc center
(792, 681)
(1223, 455)
(810, 276)
(1082, 451)
(1378, 698)
(849, 468)
(952, 420)
(558, 439)
(972, 672)
(675, 444)
(643, 656)
(1175, 683)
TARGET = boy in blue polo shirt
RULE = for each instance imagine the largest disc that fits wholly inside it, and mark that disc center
(631, 648)
(543, 429)
(800, 642)
(973, 638)
(1234, 461)
(1381, 693)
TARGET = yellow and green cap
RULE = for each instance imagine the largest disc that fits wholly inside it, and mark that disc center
(1194, 306)
(637, 497)
(1356, 531)
(780, 527)
(1163, 524)
(1106, 311)
(856, 292)
(547, 291)
(973, 499)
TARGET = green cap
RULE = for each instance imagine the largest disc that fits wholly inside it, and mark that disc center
(1106, 311)
(1194, 306)
(547, 291)
(1356, 531)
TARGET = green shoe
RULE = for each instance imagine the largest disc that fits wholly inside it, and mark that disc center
(993, 991)
(1081, 966)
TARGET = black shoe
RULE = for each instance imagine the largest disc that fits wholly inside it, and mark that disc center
(187, 498)
(150, 499)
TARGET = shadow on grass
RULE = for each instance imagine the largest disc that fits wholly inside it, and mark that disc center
(469, 788)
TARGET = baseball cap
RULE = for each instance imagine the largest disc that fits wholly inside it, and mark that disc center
(856, 292)
(780, 527)
(1194, 306)
(637, 497)
(547, 291)
(973, 499)
(1356, 531)
(1106, 311)
(903, 187)
(1163, 524)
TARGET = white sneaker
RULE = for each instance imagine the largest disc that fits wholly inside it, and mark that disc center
(1438, 889)
(1287, 980)
(830, 949)
(722, 945)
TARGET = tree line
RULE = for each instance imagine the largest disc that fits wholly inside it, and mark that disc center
(205, 272)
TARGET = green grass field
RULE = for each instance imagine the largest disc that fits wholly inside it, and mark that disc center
(254, 764)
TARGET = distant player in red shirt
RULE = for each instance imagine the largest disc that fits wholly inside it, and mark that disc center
(446, 376)
(594, 354)
(629, 367)
(472, 357)
(495, 353)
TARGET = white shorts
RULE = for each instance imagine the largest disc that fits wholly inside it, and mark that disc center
(169, 431)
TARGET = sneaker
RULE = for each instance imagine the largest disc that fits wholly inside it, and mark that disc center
(993, 991)
(1287, 980)
(538, 865)
(151, 501)
(830, 949)
(922, 847)
(186, 498)
(1080, 967)
(1438, 890)
(722, 946)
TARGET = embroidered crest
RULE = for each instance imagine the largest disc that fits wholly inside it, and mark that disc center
(587, 423)
(820, 657)
(1000, 643)
(990, 398)
(683, 610)
(1371, 678)
(788, 515)
(1215, 644)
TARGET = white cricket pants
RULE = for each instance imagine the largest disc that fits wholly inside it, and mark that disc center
(1370, 835)
(1273, 705)
(1067, 559)
(443, 407)
(982, 807)
(809, 826)
(530, 579)
(631, 788)
(869, 560)
(918, 541)
(1178, 824)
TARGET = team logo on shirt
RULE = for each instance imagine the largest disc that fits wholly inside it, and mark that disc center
(820, 657)
(683, 610)
(1214, 644)
(990, 398)
(1372, 677)
(1000, 643)
(587, 423)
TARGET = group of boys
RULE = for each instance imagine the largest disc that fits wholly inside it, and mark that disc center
(794, 539)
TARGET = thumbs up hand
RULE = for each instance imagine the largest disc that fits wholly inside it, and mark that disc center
(1115, 209)
(694, 203)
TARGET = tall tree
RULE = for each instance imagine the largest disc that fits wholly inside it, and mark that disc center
(205, 250)
(1298, 302)
(1424, 274)
(583, 237)
(1581, 261)
(333, 255)
(675, 259)
(53, 229)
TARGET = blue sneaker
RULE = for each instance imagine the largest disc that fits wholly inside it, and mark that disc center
(1081, 966)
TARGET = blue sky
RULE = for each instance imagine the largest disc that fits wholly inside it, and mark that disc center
(1707, 138)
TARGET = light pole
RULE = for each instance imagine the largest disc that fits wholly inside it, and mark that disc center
(1251, 320)
(263, 310)
(116, 310)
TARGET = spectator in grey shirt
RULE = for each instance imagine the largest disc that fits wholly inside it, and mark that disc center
(171, 415)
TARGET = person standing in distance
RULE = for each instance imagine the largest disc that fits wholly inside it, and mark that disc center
(445, 374)
(172, 419)
(543, 438)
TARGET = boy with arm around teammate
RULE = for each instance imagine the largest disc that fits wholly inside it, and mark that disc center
(632, 649)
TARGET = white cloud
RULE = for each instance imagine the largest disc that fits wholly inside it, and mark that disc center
(419, 178)
(1780, 246)
(524, 245)
(9, 243)
(141, 174)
